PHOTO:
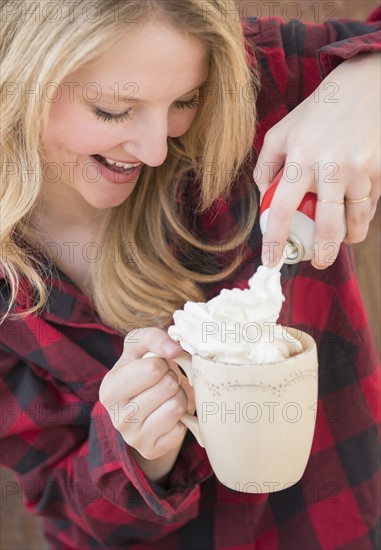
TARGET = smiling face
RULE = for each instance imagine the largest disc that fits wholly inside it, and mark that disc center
(121, 108)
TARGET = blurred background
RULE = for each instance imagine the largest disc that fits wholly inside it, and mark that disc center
(21, 531)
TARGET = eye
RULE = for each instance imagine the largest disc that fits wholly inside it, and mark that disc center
(191, 104)
(108, 117)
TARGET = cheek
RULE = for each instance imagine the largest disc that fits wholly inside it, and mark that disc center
(74, 130)
(180, 124)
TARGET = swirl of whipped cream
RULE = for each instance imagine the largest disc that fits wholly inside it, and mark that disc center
(238, 326)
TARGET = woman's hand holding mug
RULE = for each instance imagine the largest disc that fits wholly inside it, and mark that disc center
(146, 398)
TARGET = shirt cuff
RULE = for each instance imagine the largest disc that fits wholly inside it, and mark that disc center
(332, 55)
(179, 502)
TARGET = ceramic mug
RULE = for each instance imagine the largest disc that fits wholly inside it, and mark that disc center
(256, 422)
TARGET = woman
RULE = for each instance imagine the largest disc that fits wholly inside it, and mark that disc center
(131, 194)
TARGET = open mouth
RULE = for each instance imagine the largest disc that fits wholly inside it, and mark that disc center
(117, 167)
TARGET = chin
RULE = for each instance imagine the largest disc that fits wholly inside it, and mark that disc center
(107, 203)
(108, 200)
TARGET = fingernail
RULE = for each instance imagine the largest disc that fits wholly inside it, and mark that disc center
(267, 261)
(270, 252)
(169, 347)
(319, 266)
(265, 254)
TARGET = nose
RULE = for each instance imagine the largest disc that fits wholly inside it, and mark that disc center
(147, 139)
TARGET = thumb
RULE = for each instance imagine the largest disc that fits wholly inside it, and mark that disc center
(140, 341)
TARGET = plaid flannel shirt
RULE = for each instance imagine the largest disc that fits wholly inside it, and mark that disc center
(76, 471)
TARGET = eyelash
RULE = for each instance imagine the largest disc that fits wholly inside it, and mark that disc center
(121, 117)
(108, 117)
(191, 104)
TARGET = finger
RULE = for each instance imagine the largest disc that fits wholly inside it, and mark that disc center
(146, 426)
(328, 233)
(358, 216)
(150, 449)
(184, 383)
(163, 444)
(170, 440)
(374, 196)
(139, 341)
(163, 419)
(292, 187)
(373, 209)
(358, 207)
(333, 178)
(124, 381)
(152, 398)
(270, 160)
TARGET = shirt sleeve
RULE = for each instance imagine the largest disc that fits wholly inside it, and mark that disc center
(348, 46)
(295, 56)
(75, 468)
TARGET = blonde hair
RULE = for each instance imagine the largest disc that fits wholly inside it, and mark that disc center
(144, 292)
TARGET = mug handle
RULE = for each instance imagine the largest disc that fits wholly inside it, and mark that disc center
(185, 362)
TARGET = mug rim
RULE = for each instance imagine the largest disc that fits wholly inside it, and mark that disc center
(311, 345)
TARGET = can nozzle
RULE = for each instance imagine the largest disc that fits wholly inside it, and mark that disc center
(293, 251)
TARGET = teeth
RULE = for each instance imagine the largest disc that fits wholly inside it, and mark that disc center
(122, 164)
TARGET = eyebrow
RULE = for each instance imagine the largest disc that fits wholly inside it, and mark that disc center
(132, 98)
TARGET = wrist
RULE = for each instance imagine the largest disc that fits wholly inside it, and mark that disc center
(351, 75)
(158, 469)
(363, 61)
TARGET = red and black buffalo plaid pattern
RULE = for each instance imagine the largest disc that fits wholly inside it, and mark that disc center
(75, 469)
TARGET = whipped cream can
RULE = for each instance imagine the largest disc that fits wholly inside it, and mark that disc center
(300, 240)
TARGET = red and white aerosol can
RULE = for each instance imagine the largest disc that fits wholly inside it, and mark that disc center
(300, 241)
